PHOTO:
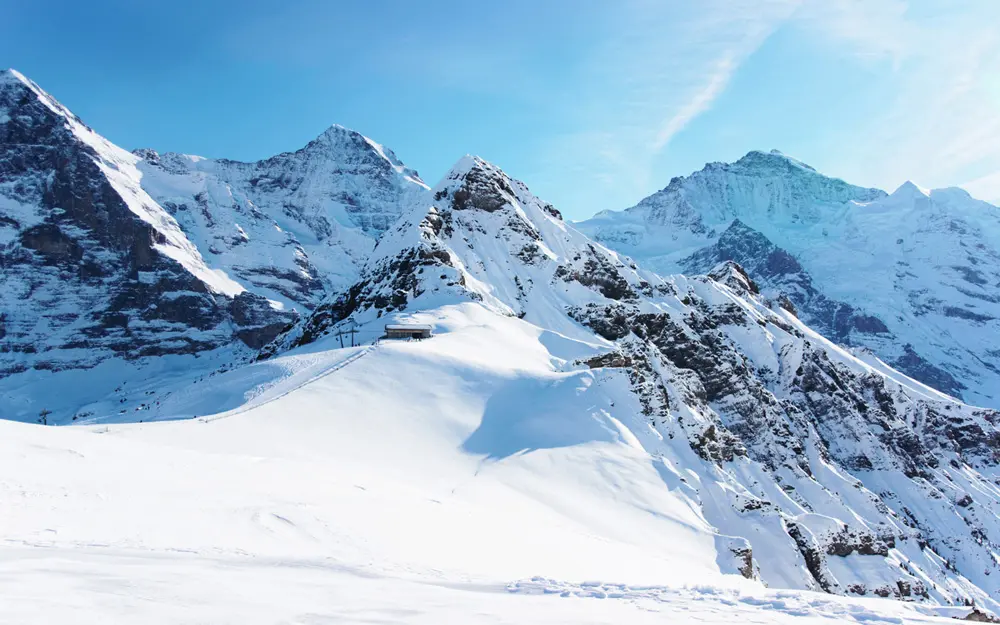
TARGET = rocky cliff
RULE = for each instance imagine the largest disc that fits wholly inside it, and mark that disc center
(910, 276)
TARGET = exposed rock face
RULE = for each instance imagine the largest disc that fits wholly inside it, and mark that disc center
(108, 254)
(92, 268)
(978, 616)
(811, 457)
(784, 277)
(910, 276)
(256, 319)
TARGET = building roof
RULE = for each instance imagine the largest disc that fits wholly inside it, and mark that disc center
(408, 327)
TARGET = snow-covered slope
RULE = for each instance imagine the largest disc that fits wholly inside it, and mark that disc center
(814, 469)
(470, 478)
(92, 267)
(291, 227)
(913, 276)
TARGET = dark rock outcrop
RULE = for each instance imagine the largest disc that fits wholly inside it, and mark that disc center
(793, 289)
(84, 275)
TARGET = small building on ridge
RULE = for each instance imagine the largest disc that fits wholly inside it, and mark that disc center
(407, 331)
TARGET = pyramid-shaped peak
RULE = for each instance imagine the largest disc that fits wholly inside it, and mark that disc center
(735, 277)
(337, 135)
(772, 158)
(477, 169)
(14, 82)
(338, 131)
(12, 78)
(909, 190)
(471, 162)
(338, 140)
(475, 175)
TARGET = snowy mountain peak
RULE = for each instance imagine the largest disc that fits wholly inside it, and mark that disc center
(910, 191)
(11, 75)
(112, 256)
(482, 236)
(11, 79)
(471, 172)
(475, 183)
(340, 137)
(464, 166)
(94, 267)
(759, 188)
(911, 276)
(959, 194)
(297, 225)
(771, 160)
(338, 141)
(338, 134)
(735, 277)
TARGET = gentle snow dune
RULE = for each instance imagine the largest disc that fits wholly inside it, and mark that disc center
(473, 477)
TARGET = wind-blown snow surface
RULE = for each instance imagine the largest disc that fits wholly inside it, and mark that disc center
(469, 478)
(913, 276)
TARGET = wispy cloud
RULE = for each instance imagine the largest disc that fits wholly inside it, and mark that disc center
(663, 65)
(940, 128)
(658, 67)
(721, 68)
(702, 100)
(874, 29)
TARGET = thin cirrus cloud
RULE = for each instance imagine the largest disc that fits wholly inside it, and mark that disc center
(661, 66)
(940, 128)
(702, 100)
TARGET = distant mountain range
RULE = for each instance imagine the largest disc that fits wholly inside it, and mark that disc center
(109, 253)
(753, 386)
(912, 276)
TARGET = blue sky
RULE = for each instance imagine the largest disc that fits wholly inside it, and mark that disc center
(593, 104)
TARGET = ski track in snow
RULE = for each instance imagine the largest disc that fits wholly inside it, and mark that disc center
(251, 404)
